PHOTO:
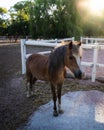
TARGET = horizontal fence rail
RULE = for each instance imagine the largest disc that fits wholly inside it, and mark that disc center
(44, 43)
(93, 64)
(49, 43)
(90, 40)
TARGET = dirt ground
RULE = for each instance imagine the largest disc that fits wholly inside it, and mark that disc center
(15, 108)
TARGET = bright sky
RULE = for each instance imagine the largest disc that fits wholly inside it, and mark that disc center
(95, 7)
(8, 3)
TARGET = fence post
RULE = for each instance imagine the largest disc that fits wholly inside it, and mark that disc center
(23, 55)
(86, 40)
(73, 38)
(95, 57)
(81, 39)
(56, 40)
(92, 41)
(96, 41)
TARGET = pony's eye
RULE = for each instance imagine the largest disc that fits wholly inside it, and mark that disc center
(71, 57)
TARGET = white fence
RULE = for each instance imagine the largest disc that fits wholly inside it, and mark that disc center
(50, 43)
(47, 43)
(94, 64)
(91, 40)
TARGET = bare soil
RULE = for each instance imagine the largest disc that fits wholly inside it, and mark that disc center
(15, 108)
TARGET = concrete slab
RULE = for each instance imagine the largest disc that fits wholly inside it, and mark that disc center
(83, 110)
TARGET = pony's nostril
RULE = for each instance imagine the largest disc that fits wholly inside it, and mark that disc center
(78, 74)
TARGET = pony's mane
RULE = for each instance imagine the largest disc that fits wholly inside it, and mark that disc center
(75, 48)
(57, 59)
(63, 43)
(57, 56)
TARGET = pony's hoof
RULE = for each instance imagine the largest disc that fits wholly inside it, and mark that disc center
(28, 96)
(55, 113)
(32, 93)
(60, 111)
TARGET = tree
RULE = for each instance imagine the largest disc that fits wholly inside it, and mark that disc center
(3, 21)
(68, 18)
(40, 18)
(19, 19)
(56, 18)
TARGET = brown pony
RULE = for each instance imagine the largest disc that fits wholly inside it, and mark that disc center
(52, 68)
(68, 71)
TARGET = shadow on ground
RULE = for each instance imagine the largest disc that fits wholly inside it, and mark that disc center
(82, 111)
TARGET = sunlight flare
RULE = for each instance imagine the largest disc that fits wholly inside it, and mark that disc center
(96, 6)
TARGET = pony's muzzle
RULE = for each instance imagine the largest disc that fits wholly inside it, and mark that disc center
(78, 74)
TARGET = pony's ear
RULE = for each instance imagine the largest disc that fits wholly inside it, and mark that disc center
(70, 45)
(79, 44)
(52, 50)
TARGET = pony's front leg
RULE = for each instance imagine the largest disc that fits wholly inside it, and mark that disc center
(55, 113)
(59, 88)
(27, 89)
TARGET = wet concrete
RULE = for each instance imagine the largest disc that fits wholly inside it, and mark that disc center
(83, 110)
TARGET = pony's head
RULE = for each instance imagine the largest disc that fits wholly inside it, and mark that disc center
(73, 58)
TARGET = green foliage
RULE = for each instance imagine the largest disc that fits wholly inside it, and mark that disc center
(57, 18)
(50, 19)
(3, 21)
(94, 27)
(18, 28)
(19, 22)
(20, 11)
(3, 11)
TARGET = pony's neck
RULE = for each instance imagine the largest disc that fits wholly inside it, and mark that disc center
(57, 59)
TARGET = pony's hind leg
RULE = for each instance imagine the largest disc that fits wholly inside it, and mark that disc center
(59, 88)
(28, 89)
(55, 113)
(33, 80)
(28, 80)
(29, 84)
